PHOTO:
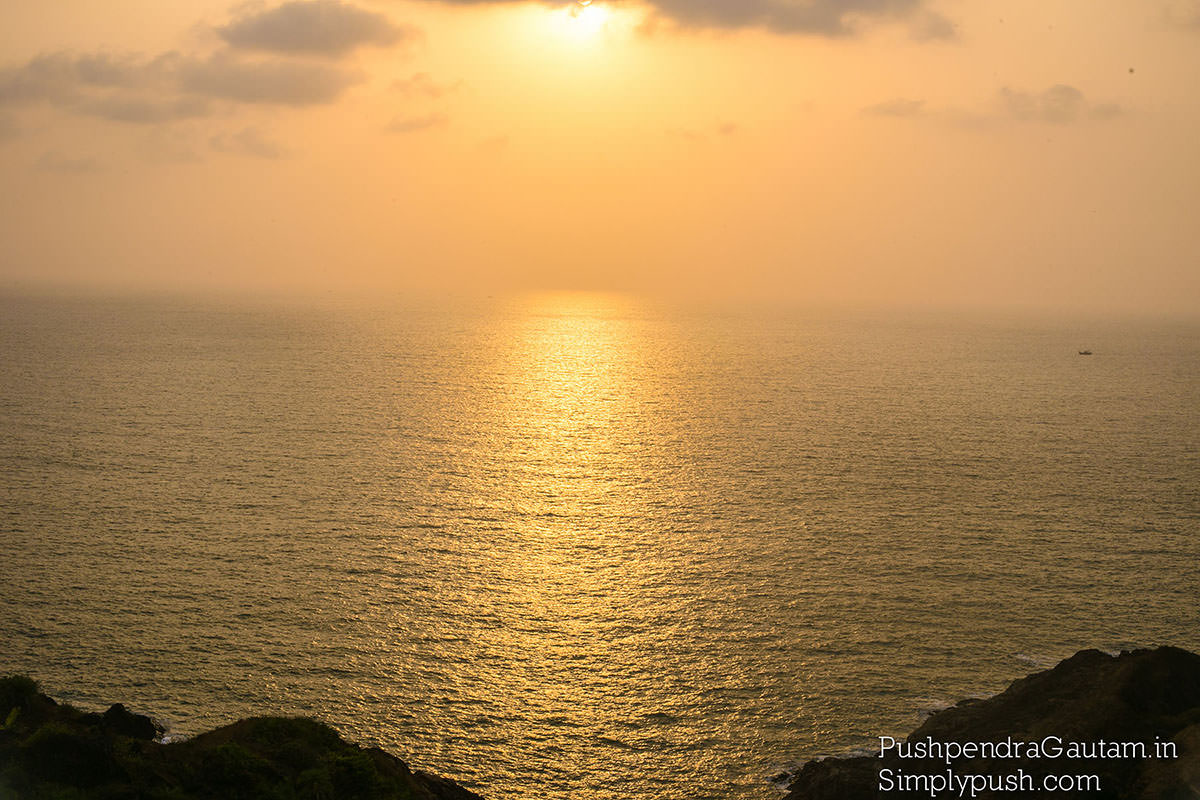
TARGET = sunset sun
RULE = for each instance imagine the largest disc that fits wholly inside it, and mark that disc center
(585, 20)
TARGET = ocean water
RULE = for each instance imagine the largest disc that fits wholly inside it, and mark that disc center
(585, 546)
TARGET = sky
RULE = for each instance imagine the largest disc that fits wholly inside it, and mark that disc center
(1036, 154)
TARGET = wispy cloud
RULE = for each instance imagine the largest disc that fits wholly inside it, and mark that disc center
(926, 25)
(900, 107)
(1059, 104)
(720, 129)
(54, 161)
(248, 142)
(404, 124)
(1183, 14)
(423, 85)
(9, 127)
(169, 145)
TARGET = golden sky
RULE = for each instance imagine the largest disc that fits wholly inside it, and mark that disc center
(1033, 153)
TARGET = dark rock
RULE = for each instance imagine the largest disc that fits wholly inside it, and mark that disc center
(124, 722)
(1141, 696)
(52, 751)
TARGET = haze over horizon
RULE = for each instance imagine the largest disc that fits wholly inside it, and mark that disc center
(912, 153)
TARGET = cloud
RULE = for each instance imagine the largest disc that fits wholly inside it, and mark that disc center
(9, 127)
(121, 88)
(899, 107)
(144, 110)
(817, 17)
(820, 17)
(314, 27)
(930, 26)
(419, 123)
(146, 90)
(53, 161)
(61, 77)
(168, 87)
(1060, 104)
(163, 145)
(1183, 14)
(277, 82)
(247, 142)
(422, 85)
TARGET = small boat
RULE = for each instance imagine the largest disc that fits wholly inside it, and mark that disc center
(1085, 352)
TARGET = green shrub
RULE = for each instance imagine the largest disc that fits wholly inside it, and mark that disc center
(315, 784)
(16, 691)
(230, 770)
(66, 755)
(354, 776)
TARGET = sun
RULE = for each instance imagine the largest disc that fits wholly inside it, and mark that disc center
(585, 20)
(576, 28)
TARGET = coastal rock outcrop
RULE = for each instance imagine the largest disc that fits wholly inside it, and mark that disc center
(48, 750)
(1124, 727)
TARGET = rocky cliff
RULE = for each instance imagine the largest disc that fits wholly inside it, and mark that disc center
(1104, 727)
(48, 750)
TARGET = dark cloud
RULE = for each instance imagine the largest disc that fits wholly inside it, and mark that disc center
(899, 107)
(248, 142)
(63, 77)
(420, 123)
(170, 87)
(818, 17)
(137, 89)
(1059, 104)
(313, 27)
(823, 17)
(121, 88)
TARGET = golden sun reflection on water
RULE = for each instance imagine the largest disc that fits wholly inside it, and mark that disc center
(571, 384)
(579, 564)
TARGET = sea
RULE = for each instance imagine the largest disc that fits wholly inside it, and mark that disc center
(586, 546)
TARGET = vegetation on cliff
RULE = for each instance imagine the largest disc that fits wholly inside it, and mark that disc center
(50, 751)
